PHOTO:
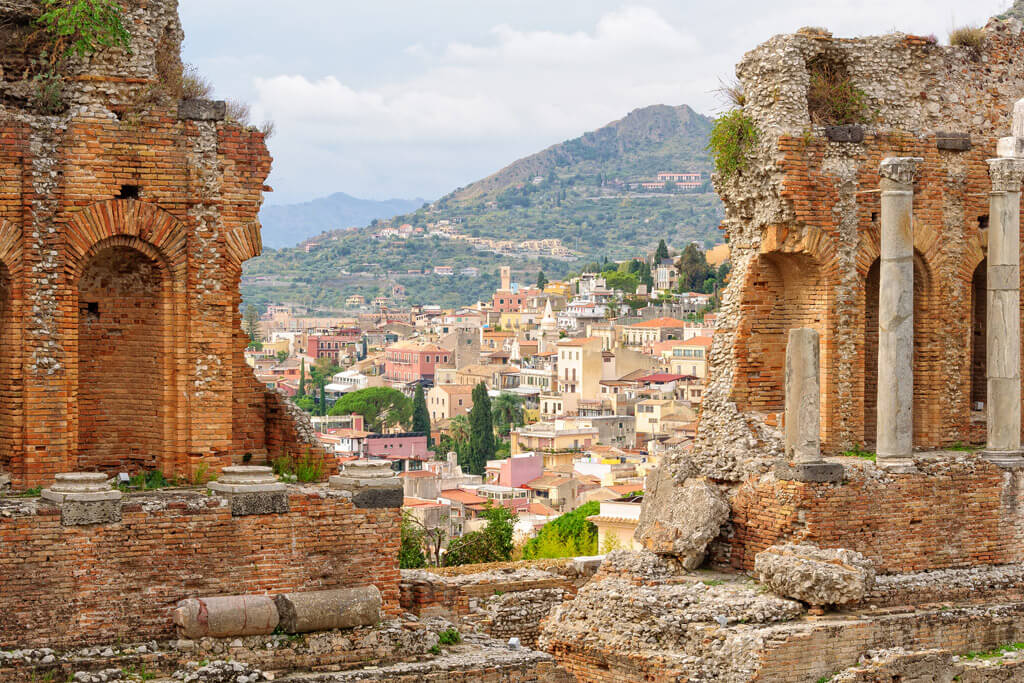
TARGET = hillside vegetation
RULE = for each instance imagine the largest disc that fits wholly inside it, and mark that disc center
(582, 192)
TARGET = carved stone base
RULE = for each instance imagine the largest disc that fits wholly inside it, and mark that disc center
(818, 472)
(1008, 459)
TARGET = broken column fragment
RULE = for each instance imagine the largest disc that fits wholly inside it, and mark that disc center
(84, 498)
(803, 461)
(325, 610)
(895, 434)
(225, 616)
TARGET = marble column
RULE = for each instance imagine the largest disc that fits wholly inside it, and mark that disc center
(895, 435)
(803, 461)
(1003, 322)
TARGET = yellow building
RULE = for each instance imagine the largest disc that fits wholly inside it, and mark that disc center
(559, 287)
(691, 357)
(580, 367)
(616, 523)
(653, 412)
(560, 435)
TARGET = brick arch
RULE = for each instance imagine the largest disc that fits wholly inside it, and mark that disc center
(151, 226)
(149, 325)
(784, 289)
(11, 351)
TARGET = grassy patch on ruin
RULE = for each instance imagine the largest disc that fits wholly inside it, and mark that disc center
(832, 98)
(960, 446)
(995, 652)
(29, 493)
(967, 36)
(712, 582)
(147, 481)
(858, 451)
(305, 468)
(733, 137)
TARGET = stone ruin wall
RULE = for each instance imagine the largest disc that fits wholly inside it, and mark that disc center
(98, 368)
(802, 223)
(119, 581)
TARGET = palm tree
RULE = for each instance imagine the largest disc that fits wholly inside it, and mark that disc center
(458, 428)
(508, 412)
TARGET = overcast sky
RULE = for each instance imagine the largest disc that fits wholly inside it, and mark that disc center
(412, 98)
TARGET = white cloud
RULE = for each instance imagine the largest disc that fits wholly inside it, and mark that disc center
(532, 85)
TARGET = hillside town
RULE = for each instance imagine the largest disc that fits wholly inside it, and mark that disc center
(594, 389)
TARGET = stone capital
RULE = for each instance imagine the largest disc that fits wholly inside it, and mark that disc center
(902, 170)
(1006, 174)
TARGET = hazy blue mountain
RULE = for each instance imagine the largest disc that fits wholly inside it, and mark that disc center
(288, 224)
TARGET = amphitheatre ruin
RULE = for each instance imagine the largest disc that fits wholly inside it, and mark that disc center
(874, 307)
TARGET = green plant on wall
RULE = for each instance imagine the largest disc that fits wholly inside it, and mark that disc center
(733, 137)
(73, 28)
(79, 28)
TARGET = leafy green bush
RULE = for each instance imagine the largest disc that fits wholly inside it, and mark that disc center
(306, 468)
(147, 481)
(732, 139)
(491, 544)
(79, 28)
(449, 636)
(568, 535)
(410, 552)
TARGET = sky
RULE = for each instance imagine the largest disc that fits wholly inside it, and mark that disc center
(413, 98)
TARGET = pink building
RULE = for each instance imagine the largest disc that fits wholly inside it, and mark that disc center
(516, 471)
(330, 345)
(408, 446)
(408, 361)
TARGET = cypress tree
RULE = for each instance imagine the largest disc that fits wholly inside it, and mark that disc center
(481, 434)
(661, 253)
(420, 416)
(302, 380)
(323, 399)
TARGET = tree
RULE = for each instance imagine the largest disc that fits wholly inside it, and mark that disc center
(380, 407)
(493, 543)
(306, 403)
(420, 416)
(410, 552)
(251, 323)
(323, 399)
(481, 434)
(542, 280)
(568, 535)
(507, 412)
(302, 380)
(282, 356)
(693, 269)
(661, 253)
(432, 538)
(625, 282)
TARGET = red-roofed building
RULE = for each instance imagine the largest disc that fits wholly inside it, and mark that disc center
(409, 361)
(691, 357)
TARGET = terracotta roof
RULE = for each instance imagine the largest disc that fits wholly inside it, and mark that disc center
(623, 489)
(576, 342)
(540, 509)
(661, 322)
(703, 340)
(546, 480)
(456, 388)
(419, 503)
(464, 497)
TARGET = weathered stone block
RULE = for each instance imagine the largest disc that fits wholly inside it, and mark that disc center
(846, 133)
(85, 512)
(378, 498)
(202, 110)
(681, 520)
(815, 576)
(953, 142)
(326, 610)
(817, 472)
(259, 503)
(225, 616)
(372, 483)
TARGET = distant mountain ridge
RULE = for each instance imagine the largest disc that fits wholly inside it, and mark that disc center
(585, 192)
(286, 225)
(644, 142)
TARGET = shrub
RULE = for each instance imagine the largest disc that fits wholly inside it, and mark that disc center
(410, 552)
(449, 636)
(733, 137)
(732, 92)
(832, 98)
(79, 28)
(193, 84)
(306, 467)
(967, 36)
(568, 535)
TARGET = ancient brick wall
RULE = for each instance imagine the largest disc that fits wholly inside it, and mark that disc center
(956, 513)
(802, 222)
(98, 369)
(63, 585)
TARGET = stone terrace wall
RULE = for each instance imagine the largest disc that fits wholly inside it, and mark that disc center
(802, 223)
(64, 585)
(959, 511)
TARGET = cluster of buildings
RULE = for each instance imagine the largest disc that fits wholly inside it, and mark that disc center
(552, 248)
(603, 389)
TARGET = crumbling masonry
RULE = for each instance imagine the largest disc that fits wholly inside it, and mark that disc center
(124, 222)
